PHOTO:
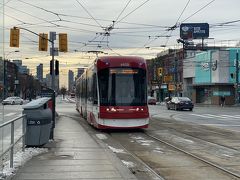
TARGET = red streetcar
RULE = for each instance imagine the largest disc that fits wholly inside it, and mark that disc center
(112, 93)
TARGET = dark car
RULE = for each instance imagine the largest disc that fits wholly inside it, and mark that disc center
(180, 103)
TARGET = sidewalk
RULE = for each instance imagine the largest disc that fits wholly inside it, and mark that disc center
(74, 154)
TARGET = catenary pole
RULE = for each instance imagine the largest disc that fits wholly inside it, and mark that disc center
(237, 79)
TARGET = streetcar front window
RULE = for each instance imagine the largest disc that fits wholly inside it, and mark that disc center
(122, 87)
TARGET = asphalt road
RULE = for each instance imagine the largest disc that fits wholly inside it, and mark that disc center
(221, 117)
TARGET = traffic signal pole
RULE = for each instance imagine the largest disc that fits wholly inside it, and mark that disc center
(51, 40)
(52, 52)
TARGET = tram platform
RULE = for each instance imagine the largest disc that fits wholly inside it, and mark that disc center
(74, 154)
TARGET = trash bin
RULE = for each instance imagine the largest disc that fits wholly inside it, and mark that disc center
(39, 122)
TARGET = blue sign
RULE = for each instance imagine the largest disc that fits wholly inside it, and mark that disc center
(221, 93)
(194, 30)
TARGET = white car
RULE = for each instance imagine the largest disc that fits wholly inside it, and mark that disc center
(12, 100)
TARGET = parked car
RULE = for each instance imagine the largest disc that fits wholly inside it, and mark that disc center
(152, 100)
(180, 103)
(12, 100)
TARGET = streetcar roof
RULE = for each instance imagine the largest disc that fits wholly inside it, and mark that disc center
(120, 61)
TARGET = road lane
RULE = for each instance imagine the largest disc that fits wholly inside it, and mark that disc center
(226, 118)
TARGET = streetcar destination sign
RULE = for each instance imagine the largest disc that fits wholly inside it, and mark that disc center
(194, 30)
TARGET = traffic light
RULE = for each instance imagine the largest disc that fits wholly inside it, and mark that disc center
(14, 37)
(43, 42)
(51, 67)
(57, 67)
(159, 72)
(63, 42)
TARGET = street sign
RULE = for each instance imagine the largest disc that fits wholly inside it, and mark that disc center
(167, 79)
(171, 87)
(55, 51)
(154, 82)
(194, 30)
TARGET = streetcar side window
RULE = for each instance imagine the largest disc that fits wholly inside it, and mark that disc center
(94, 89)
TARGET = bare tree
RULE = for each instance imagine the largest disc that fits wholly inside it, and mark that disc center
(63, 91)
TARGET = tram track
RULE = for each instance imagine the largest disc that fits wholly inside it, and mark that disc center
(196, 135)
(195, 156)
(155, 175)
(151, 168)
(209, 164)
(142, 170)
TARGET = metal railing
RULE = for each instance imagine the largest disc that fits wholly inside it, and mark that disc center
(13, 143)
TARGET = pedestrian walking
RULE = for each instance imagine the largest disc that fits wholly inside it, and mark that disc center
(222, 101)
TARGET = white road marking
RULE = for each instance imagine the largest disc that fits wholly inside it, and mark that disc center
(227, 125)
(212, 116)
(202, 116)
(235, 117)
(9, 114)
(216, 116)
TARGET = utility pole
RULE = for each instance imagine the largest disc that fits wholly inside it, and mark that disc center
(175, 72)
(52, 53)
(237, 79)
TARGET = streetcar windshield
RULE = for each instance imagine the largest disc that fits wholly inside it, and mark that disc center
(122, 87)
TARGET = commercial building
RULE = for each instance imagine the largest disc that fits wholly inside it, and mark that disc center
(40, 72)
(203, 76)
(211, 74)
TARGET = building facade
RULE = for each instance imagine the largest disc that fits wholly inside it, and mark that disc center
(40, 72)
(209, 75)
(165, 74)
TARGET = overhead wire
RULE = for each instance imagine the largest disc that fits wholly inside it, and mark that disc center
(132, 11)
(198, 10)
(36, 17)
(123, 10)
(176, 24)
(89, 13)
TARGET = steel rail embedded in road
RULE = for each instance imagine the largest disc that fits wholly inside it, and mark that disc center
(143, 163)
(194, 156)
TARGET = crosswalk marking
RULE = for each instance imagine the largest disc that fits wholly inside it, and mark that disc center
(212, 116)
(235, 117)
(223, 125)
(201, 116)
(216, 116)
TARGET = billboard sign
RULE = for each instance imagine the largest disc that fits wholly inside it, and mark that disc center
(194, 30)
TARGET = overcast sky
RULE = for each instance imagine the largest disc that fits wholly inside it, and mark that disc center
(139, 28)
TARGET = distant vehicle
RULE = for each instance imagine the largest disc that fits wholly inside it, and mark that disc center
(12, 100)
(180, 103)
(152, 100)
(72, 95)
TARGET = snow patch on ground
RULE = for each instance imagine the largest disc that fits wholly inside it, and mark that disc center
(142, 141)
(157, 151)
(101, 136)
(115, 150)
(20, 158)
(128, 164)
(184, 140)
